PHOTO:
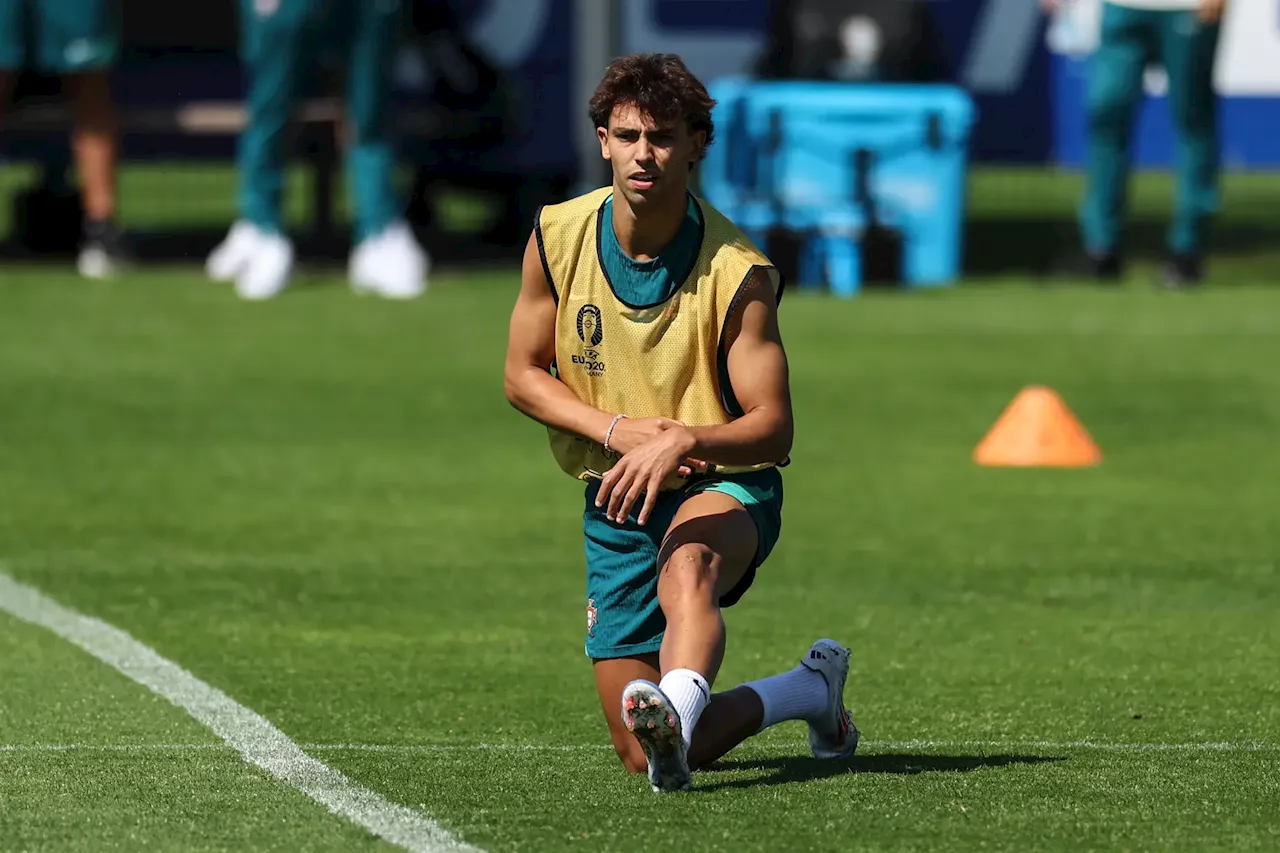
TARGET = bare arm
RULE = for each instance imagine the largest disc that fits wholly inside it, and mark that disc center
(531, 348)
(758, 371)
(759, 374)
(530, 387)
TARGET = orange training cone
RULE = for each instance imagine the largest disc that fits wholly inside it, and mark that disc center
(1037, 430)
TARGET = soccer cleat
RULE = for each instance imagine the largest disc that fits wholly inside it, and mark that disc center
(649, 715)
(1181, 271)
(1105, 267)
(832, 735)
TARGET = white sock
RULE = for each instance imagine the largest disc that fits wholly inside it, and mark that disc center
(689, 694)
(800, 694)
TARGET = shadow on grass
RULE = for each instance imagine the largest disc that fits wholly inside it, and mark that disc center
(1040, 246)
(1047, 250)
(803, 768)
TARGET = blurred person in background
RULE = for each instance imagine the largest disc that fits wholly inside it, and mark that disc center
(78, 40)
(1182, 35)
(281, 41)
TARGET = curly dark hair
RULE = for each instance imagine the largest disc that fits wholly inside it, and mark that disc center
(660, 86)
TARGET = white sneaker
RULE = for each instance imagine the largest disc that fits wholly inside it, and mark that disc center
(233, 253)
(267, 270)
(96, 262)
(102, 253)
(390, 264)
(833, 735)
(649, 715)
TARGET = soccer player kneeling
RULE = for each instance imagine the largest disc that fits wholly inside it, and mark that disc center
(645, 338)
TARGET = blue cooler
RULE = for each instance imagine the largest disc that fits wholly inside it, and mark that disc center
(827, 160)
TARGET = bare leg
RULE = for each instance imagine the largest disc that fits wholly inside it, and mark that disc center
(94, 143)
(612, 676)
(708, 549)
(730, 719)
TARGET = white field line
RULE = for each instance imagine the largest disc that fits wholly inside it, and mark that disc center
(250, 734)
(876, 747)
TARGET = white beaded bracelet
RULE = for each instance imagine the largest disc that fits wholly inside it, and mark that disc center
(608, 434)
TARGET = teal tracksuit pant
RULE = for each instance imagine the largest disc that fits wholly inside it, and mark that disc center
(1132, 39)
(59, 36)
(281, 42)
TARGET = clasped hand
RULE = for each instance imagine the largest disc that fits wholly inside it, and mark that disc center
(652, 450)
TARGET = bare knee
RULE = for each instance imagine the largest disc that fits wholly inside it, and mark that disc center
(632, 757)
(689, 575)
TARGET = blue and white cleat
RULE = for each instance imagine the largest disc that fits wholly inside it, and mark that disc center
(833, 735)
(649, 715)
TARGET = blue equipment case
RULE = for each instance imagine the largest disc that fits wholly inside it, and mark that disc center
(829, 161)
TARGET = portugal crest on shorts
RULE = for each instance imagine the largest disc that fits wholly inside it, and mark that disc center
(593, 616)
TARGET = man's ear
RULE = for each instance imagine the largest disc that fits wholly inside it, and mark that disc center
(602, 134)
(699, 144)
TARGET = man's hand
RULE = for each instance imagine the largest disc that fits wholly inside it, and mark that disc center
(1210, 11)
(1051, 6)
(630, 433)
(642, 471)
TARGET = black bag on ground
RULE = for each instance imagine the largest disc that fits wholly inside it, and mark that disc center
(886, 41)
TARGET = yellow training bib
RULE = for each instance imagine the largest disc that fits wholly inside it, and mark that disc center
(659, 361)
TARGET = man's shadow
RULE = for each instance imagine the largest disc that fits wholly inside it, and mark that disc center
(803, 768)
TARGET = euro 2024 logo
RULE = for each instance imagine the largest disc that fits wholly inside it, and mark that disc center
(591, 333)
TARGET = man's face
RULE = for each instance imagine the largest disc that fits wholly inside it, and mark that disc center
(650, 161)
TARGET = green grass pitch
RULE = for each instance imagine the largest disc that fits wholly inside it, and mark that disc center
(324, 507)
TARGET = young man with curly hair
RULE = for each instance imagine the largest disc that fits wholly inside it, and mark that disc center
(645, 338)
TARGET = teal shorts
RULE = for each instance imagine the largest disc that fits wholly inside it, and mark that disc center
(59, 36)
(623, 616)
